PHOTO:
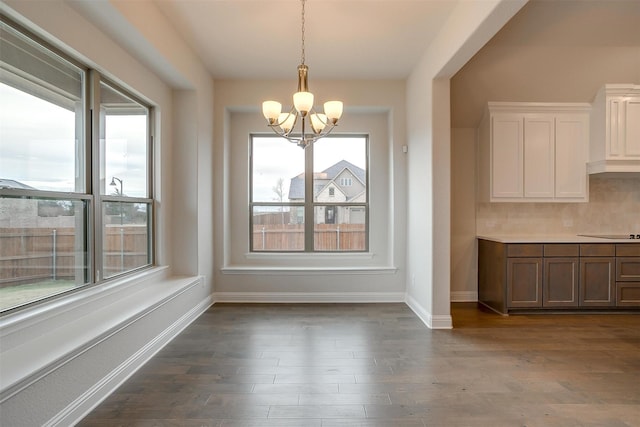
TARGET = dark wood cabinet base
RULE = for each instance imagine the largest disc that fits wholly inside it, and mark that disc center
(558, 277)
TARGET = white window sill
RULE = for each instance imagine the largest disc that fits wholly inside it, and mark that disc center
(296, 271)
(309, 256)
(287, 263)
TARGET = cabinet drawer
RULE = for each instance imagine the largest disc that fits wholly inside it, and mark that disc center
(628, 294)
(524, 250)
(628, 249)
(561, 250)
(628, 269)
(597, 249)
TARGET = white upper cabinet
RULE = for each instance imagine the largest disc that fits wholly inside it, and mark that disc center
(534, 152)
(615, 129)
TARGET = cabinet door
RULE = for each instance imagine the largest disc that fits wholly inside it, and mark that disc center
(524, 282)
(572, 142)
(632, 128)
(614, 139)
(597, 282)
(560, 284)
(506, 156)
(539, 156)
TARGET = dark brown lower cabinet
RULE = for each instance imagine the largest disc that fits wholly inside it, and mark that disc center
(597, 282)
(597, 275)
(628, 276)
(520, 276)
(628, 294)
(524, 282)
(560, 284)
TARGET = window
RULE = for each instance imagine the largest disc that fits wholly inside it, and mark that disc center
(124, 130)
(286, 217)
(62, 226)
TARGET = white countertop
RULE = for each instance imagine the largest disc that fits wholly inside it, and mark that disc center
(552, 238)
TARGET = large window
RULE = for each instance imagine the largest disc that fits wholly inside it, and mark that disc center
(311, 200)
(74, 209)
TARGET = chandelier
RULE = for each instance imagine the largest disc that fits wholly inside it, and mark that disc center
(313, 125)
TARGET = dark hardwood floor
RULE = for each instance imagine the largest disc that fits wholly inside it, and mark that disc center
(378, 365)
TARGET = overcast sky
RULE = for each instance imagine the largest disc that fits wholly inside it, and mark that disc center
(38, 148)
(276, 158)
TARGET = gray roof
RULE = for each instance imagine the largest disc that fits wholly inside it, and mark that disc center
(333, 171)
(296, 187)
(10, 183)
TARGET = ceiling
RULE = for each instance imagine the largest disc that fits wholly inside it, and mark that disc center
(346, 39)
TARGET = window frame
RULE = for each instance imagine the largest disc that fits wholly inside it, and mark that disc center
(91, 194)
(309, 205)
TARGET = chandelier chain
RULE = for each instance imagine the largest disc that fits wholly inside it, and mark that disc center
(303, 53)
(311, 124)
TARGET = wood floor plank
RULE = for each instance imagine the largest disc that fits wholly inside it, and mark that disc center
(371, 365)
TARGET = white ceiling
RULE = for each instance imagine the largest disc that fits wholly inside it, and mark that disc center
(346, 39)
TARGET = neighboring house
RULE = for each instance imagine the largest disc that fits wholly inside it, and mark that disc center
(343, 182)
(22, 212)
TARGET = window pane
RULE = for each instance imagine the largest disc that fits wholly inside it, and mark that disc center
(340, 228)
(43, 248)
(278, 228)
(124, 140)
(41, 111)
(277, 170)
(126, 237)
(339, 170)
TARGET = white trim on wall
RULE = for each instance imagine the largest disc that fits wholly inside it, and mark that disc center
(309, 297)
(432, 321)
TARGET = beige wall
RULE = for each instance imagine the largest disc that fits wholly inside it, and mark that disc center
(551, 51)
(463, 215)
(561, 51)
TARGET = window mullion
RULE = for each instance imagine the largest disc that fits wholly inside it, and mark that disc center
(95, 159)
(308, 200)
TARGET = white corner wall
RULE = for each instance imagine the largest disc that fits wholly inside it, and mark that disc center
(61, 358)
(468, 28)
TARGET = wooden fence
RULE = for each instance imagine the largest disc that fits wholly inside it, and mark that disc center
(29, 255)
(327, 237)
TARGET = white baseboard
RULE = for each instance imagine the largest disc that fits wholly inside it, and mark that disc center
(309, 297)
(431, 321)
(86, 402)
(464, 296)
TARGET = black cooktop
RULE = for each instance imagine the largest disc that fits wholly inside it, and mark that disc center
(613, 236)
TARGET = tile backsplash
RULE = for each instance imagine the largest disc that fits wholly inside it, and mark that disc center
(613, 207)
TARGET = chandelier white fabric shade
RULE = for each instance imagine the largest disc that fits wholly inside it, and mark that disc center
(302, 111)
